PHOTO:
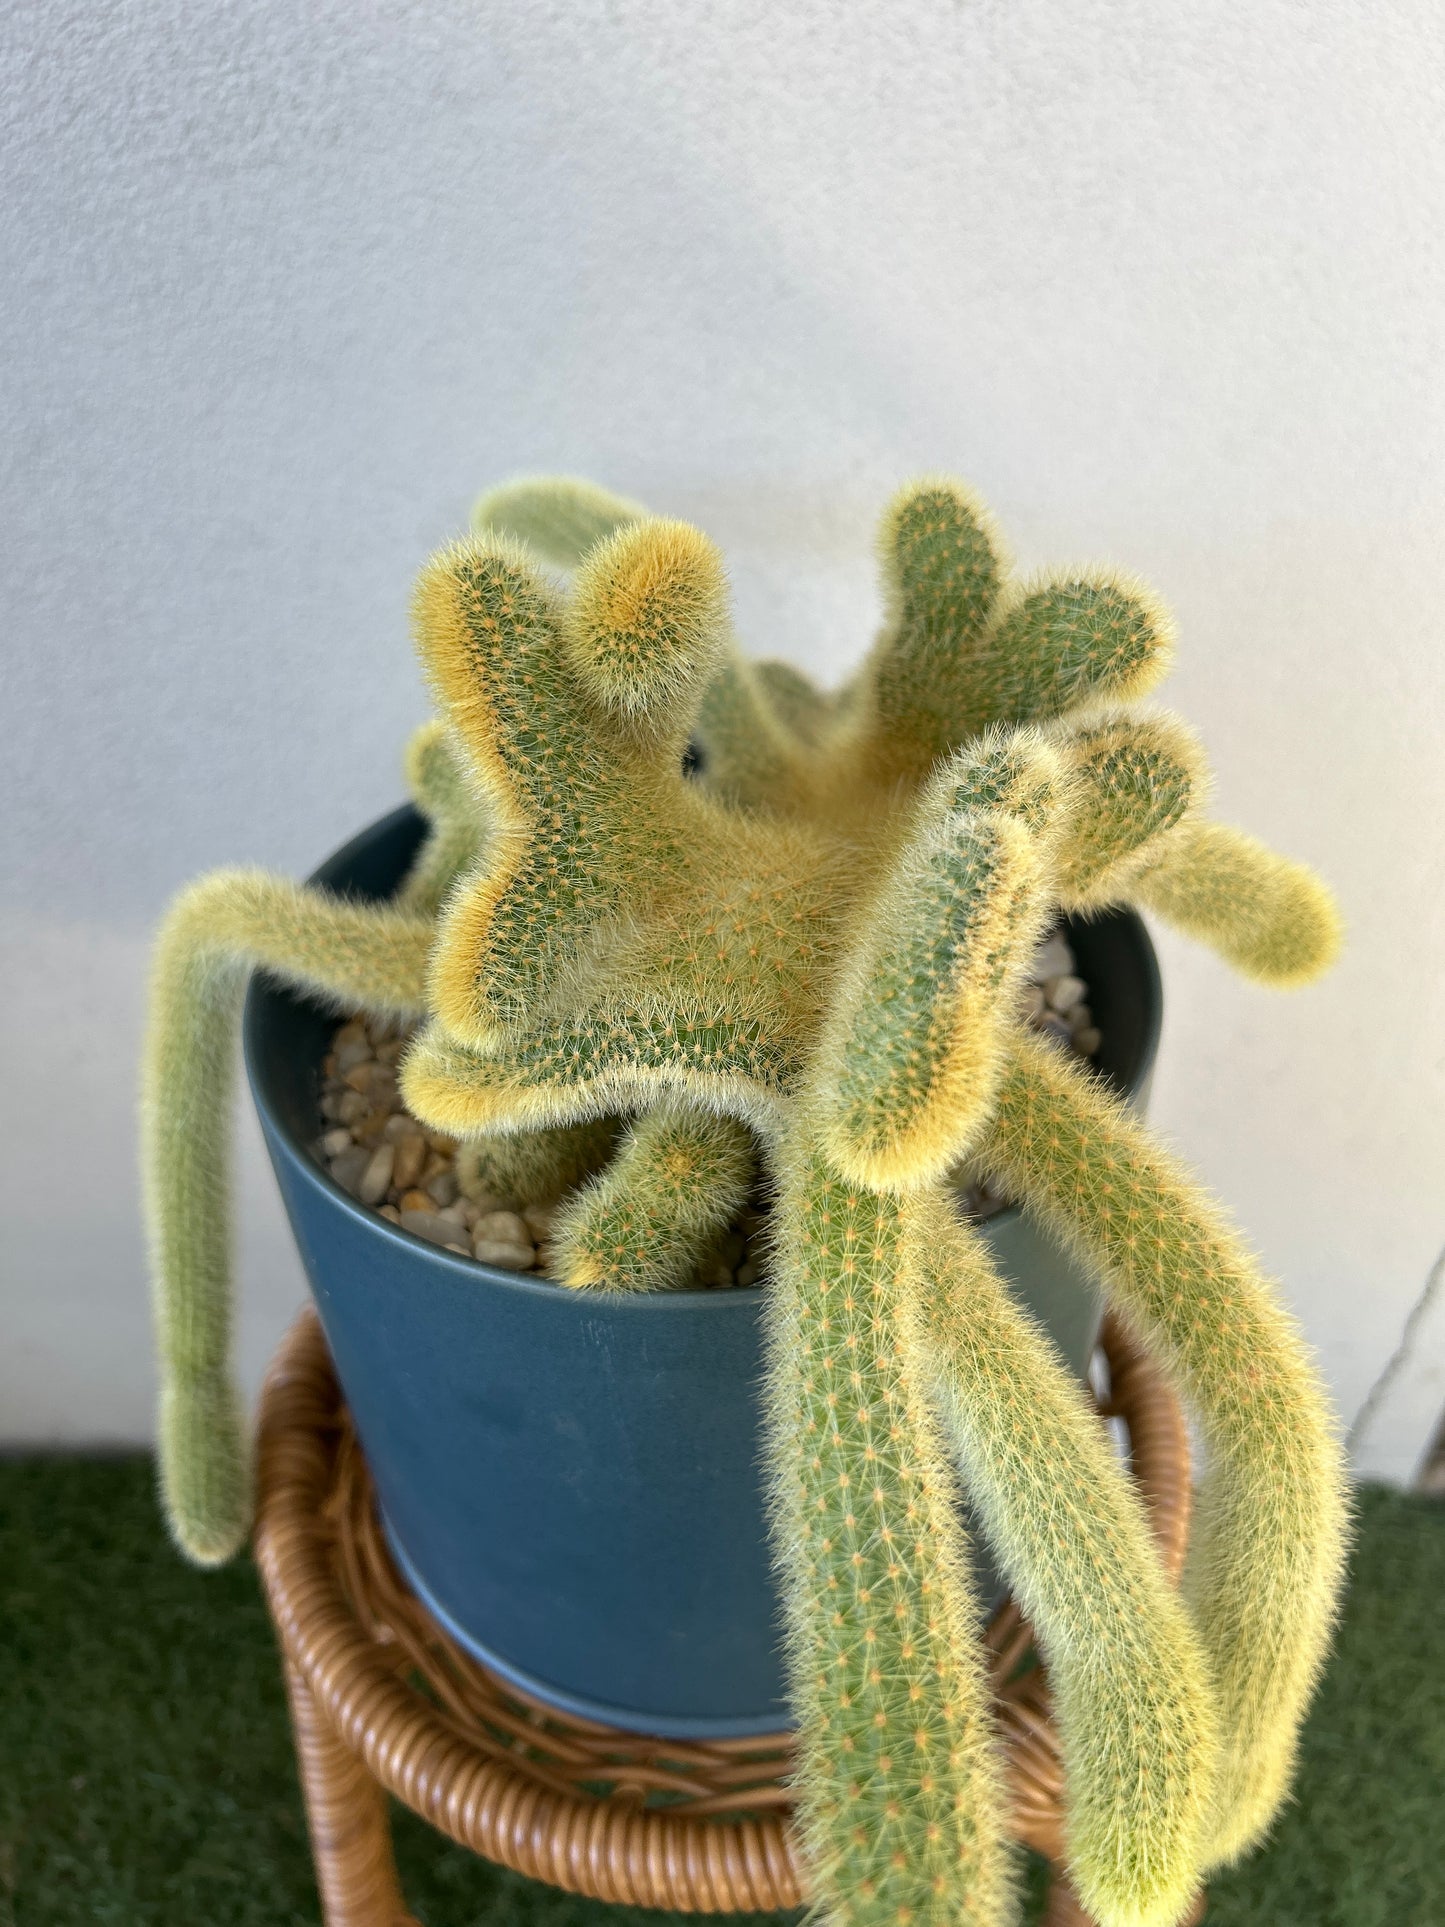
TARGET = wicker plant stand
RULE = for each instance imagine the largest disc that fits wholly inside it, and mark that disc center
(383, 1701)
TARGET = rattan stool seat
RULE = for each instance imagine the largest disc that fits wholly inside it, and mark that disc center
(382, 1698)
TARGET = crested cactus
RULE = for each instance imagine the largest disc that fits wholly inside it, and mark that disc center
(811, 953)
(962, 647)
(866, 1028)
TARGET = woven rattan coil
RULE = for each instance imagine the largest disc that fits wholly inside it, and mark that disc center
(657, 1823)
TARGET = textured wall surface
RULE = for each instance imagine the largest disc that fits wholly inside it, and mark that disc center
(284, 285)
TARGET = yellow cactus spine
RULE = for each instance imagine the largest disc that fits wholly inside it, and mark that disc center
(216, 932)
(900, 1803)
(1267, 1555)
(648, 1221)
(1132, 1695)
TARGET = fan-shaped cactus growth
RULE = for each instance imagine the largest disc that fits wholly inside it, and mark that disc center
(813, 953)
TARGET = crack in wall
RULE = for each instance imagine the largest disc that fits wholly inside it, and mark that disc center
(1400, 1357)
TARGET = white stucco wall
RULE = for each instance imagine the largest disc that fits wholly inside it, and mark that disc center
(284, 285)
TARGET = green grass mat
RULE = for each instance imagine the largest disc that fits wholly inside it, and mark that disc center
(146, 1777)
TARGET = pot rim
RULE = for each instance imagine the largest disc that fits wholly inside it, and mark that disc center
(685, 1297)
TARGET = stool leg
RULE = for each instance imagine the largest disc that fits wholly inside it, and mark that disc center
(346, 1817)
(1066, 1910)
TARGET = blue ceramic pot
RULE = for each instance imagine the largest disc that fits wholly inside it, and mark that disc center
(572, 1481)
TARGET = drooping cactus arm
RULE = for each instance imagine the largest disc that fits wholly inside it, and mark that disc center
(1267, 1554)
(457, 819)
(215, 933)
(1132, 1697)
(560, 516)
(901, 1808)
(650, 1219)
(1273, 919)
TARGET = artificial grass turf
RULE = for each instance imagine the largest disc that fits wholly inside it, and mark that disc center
(146, 1777)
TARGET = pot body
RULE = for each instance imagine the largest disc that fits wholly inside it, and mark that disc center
(573, 1481)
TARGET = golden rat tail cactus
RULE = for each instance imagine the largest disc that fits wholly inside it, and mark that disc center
(812, 954)
(851, 1000)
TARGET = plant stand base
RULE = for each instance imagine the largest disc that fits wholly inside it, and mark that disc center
(383, 1701)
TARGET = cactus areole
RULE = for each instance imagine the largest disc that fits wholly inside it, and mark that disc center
(798, 963)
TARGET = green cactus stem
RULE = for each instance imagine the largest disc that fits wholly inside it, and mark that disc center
(1138, 777)
(560, 516)
(216, 932)
(1132, 1696)
(650, 1219)
(1271, 918)
(456, 819)
(534, 1167)
(901, 1810)
(1267, 1552)
(912, 1048)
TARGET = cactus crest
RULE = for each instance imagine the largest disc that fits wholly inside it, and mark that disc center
(646, 992)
